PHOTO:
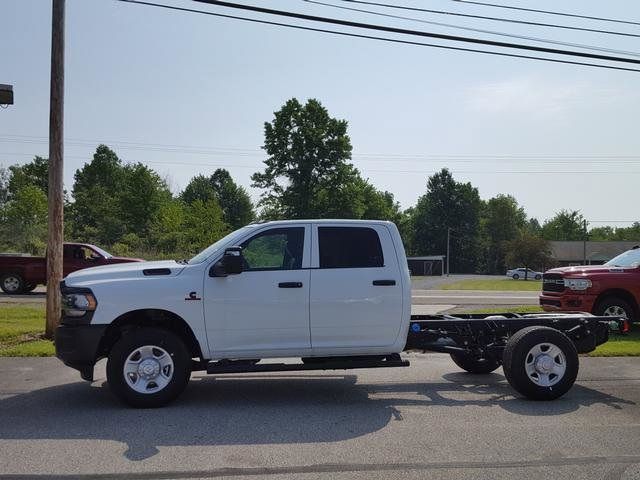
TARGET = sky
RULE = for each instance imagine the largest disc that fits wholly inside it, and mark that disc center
(186, 93)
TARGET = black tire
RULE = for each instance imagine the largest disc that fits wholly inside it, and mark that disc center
(515, 276)
(474, 365)
(134, 340)
(608, 305)
(538, 277)
(516, 356)
(30, 287)
(12, 283)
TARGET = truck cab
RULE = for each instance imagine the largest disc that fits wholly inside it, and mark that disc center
(612, 289)
(309, 289)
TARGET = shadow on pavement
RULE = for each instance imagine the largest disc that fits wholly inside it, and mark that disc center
(260, 410)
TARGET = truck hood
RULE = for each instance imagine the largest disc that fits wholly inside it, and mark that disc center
(119, 271)
(585, 269)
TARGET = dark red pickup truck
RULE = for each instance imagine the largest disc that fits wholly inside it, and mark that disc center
(22, 273)
(612, 289)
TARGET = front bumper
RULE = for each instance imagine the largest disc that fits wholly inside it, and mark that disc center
(77, 347)
(568, 302)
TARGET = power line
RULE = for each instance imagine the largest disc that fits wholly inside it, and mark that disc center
(548, 12)
(384, 39)
(477, 30)
(418, 33)
(495, 19)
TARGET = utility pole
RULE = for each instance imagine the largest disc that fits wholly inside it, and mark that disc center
(448, 249)
(56, 168)
(584, 243)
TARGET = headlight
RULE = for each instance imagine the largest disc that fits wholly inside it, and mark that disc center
(77, 304)
(577, 283)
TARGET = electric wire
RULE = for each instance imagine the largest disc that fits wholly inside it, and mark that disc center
(384, 39)
(418, 33)
(495, 19)
(477, 30)
(548, 12)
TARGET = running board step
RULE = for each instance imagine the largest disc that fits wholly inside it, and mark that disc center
(217, 368)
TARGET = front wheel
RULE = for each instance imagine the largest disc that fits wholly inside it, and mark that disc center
(515, 276)
(541, 363)
(538, 277)
(615, 307)
(148, 367)
(474, 365)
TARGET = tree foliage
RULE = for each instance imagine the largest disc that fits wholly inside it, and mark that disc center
(565, 225)
(448, 204)
(236, 205)
(502, 219)
(529, 251)
(307, 173)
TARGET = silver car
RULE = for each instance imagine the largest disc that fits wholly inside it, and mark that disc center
(519, 273)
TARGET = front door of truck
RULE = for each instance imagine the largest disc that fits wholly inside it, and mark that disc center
(266, 307)
(356, 289)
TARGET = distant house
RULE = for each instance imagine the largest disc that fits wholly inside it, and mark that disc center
(566, 253)
(427, 265)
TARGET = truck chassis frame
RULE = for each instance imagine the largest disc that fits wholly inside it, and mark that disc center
(479, 343)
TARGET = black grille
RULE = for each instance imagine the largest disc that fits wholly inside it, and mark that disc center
(552, 282)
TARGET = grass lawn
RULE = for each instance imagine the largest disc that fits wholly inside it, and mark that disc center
(505, 284)
(21, 331)
(617, 346)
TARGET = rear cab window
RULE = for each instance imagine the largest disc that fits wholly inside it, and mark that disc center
(349, 247)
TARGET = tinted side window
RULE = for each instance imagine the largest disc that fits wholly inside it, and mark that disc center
(349, 247)
(276, 249)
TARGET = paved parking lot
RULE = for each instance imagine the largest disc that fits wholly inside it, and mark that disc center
(427, 420)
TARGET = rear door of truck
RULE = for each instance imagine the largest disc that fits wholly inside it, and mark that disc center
(356, 289)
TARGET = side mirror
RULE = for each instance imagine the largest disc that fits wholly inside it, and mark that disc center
(231, 263)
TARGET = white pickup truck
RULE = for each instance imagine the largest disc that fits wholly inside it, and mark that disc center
(334, 294)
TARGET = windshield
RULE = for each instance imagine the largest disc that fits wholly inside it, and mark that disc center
(211, 249)
(630, 258)
(102, 252)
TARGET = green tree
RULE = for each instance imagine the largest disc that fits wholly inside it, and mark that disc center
(34, 173)
(308, 163)
(142, 194)
(565, 225)
(448, 204)
(602, 234)
(502, 220)
(237, 208)
(96, 192)
(203, 225)
(528, 251)
(23, 224)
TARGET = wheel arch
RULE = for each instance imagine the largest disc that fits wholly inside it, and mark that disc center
(619, 293)
(149, 317)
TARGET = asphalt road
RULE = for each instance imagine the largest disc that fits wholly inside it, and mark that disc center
(426, 421)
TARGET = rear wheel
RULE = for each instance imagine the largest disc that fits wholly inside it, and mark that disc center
(616, 307)
(12, 283)
(515, 276)
(538, 277)
(474, 365)
(148, 367)
(541, 363)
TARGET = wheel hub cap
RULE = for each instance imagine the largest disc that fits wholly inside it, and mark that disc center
(545, 364)
(148, 369)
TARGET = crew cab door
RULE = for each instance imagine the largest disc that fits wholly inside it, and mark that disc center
(266, 307)
(356, 289)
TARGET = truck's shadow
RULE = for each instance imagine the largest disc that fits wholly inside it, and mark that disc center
(260, 410)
